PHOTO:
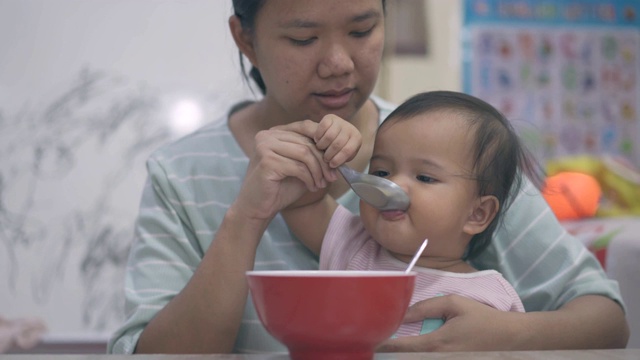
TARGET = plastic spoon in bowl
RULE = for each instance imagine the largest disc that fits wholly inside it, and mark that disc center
(379, 192)
(416, 256)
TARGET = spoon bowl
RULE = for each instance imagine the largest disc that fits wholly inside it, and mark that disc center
(381, 193)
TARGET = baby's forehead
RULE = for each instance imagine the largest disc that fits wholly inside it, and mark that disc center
(432, 113)
(436, 133)
(456, 120)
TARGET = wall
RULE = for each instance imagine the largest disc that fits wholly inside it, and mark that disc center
(87, 90)
(440, 69)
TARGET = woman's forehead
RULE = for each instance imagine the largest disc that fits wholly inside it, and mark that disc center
(316, 13)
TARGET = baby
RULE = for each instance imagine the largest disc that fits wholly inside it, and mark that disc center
(459, 160)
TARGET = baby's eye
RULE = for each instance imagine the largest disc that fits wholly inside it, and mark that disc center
(380, 173)
(425, 179)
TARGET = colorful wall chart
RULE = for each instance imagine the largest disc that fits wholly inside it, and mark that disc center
(565, 72)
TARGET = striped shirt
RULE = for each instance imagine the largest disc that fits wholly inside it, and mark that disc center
(348, 246)
(192, 181)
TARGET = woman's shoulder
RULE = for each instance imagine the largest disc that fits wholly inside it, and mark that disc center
(210, 152)
(212, 140)
(384, 107)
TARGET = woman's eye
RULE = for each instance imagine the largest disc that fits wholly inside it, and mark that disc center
(301, 42)
(425, 179)
(380, 173)
(362, 33)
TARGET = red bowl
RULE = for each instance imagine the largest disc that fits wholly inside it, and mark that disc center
(331, 314)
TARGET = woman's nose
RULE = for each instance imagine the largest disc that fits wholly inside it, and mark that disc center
(336, 61)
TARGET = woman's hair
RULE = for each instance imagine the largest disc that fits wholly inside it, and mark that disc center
(500, 160)
(246, 11)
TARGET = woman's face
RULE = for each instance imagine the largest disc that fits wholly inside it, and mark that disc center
(430, 157)
(318, 56)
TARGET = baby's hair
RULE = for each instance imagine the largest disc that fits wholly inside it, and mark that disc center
(499, 157)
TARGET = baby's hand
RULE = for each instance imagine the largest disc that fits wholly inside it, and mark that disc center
(339, 140)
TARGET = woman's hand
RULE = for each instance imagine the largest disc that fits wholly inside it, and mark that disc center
(285, 164)
(468, 326)
(294, 159)
(339, 141)
(588, 321)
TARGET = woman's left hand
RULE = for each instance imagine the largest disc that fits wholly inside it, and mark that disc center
(468, 326)
(586, 322)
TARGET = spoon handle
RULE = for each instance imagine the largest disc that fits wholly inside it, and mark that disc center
(349, 174)
(416, 256)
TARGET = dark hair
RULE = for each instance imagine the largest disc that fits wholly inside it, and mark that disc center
(500, 159)
(246, 11)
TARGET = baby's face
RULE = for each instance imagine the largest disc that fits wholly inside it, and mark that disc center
(430, 157)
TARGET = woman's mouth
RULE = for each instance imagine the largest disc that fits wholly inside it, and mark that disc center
(334, 99)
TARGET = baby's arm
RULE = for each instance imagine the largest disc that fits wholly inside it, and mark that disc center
(309, 222)
(309, 217)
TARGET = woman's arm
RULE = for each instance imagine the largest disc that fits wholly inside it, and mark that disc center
(204, 317)
(310, 222)
(587, 322)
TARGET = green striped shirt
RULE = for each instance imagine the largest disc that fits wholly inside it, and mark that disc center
(192, 182)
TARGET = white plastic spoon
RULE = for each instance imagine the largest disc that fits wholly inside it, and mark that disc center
(416, 256)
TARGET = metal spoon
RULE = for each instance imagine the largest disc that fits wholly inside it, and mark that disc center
(379, 192)
(416, 256)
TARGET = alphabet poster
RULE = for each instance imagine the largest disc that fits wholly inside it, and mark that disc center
(565, 72)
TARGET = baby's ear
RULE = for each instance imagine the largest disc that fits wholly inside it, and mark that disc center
(483, 213)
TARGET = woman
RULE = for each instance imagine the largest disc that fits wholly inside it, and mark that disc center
(203, 222)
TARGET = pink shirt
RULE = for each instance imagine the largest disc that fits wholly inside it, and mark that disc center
(348, 246)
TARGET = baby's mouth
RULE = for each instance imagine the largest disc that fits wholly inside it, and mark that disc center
(392, 215)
